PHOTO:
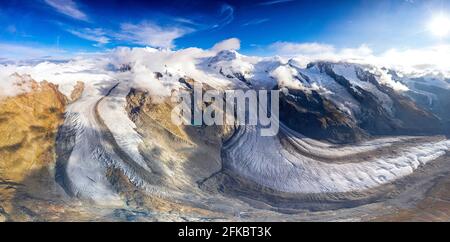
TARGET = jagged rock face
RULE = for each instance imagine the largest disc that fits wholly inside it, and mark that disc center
(381, 110)
(28, 126)
(430, 93)
(140, 103)
(316, 117)
(437, 104)
(197, 148)
(180, 157)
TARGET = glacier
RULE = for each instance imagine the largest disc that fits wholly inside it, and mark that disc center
(99, 134)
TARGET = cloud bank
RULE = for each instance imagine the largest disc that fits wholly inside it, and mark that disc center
(417, 59)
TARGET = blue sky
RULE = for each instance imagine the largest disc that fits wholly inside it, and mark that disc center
(263, 27)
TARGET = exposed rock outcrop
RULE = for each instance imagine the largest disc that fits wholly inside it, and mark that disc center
(28, 124)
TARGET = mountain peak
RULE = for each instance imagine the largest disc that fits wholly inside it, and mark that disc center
(225, 55)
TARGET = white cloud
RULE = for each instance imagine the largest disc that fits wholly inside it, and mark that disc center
(12, 84)
(67, 7)
(360, 52)
(419, 59)
(228, 44)
(187, 21)
(285, 77)
(96, 35)
(414, 59)
(149, 34)
(290, 48)
(305, 53)
(255, 22)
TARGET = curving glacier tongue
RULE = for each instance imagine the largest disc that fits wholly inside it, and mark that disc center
(85, 168)
(97, 135)
(293, 168)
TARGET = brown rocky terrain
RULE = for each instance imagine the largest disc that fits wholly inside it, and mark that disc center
(28, 124)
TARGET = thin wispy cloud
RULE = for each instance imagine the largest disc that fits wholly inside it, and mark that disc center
(227, 14)
(96, 35)
(150, 34)
(68, 8)
(145, 33)
(187, 21)
(256, 22)
(274, 2)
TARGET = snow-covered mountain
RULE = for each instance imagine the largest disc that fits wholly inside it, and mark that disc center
(349, 135)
